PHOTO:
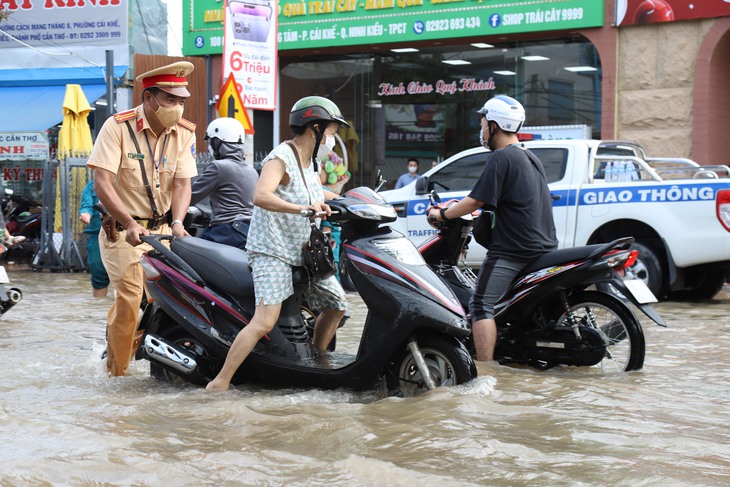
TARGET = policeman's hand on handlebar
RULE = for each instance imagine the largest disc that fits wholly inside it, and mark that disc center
(133, 233)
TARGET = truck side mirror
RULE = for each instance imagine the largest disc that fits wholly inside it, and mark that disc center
(422, 185)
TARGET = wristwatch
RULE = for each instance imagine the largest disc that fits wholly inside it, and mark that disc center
(176, 221)
(442, 212)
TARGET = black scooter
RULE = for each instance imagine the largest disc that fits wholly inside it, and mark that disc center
(201, 296)
(23, 219)
(549, 316)
(10, 296)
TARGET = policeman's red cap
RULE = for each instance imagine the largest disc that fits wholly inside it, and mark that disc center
(170, 79)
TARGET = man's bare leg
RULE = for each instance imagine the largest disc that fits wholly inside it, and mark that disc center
(484, 333)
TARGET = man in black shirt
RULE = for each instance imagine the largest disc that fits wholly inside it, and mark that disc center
(513, 185)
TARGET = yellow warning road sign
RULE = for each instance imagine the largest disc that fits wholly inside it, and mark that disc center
(230, 104)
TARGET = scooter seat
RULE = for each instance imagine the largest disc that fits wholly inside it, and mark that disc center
(564, 256)
(221, 266)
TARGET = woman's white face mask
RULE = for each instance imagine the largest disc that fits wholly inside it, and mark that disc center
(326, 147)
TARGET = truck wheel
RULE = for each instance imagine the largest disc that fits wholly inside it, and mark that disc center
(648, 268)
(703, 284)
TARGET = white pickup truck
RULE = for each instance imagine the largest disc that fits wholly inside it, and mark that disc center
(678, 211)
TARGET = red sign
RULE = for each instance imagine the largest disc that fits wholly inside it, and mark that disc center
(632, 12)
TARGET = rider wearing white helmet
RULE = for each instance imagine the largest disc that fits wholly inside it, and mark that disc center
(229, 182)
(507, 114)
(513, 186)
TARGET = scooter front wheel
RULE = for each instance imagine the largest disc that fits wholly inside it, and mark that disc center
(447, 360)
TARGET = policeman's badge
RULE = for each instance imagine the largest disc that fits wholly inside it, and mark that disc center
(192, 150)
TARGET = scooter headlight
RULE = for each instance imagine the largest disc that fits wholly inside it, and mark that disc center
(374, 212)
(401, 249)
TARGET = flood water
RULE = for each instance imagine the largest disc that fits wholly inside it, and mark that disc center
(63, 422)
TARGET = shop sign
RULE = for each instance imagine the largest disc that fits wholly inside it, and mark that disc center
(202, 27)
(55, 24)
(555, 132)
(440, 87)
(249, 52)
(23, 146)
(327, 23)
(631, 12)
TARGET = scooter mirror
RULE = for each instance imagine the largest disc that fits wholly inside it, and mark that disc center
(379, 181)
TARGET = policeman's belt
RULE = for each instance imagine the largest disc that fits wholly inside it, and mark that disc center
(149, 223)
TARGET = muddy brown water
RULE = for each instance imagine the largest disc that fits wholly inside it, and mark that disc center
(63, 422)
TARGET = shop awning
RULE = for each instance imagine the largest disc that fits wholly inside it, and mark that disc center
(31, 100)
(37, 108)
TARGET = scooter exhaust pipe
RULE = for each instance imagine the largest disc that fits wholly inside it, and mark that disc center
(14, 296)
(160, 350)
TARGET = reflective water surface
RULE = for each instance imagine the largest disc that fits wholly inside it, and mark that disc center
(63, 422)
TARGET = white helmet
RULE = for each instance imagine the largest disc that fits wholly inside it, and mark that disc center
(507, 112)
(225, 129)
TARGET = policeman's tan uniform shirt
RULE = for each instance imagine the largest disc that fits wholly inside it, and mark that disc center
(114, 151)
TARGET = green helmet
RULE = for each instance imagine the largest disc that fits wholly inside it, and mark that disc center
(313, 109)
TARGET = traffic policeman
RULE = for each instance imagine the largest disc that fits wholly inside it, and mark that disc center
(144, 160)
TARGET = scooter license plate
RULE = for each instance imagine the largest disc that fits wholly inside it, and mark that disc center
(3, 275)
(640, 290)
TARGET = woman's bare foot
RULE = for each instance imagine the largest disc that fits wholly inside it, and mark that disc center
(217, 385)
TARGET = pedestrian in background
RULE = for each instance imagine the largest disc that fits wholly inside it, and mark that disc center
(410, 176)
(229, 182)
(91, 217)
(143, 159)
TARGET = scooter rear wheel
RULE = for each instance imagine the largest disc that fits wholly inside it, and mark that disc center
(448, 362)
(178, 336)
(626, 347)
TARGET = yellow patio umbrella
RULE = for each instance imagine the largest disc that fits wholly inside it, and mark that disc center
(74, 138)
(74, 141)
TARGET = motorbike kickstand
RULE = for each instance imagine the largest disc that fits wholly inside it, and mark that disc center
(421, 364)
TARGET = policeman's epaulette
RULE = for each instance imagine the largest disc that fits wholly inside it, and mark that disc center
(187, 124)
(126, 115)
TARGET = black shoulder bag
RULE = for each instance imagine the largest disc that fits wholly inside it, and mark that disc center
(319, 259)
(482, 230)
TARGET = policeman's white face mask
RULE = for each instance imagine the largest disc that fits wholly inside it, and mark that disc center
(326, 148)
(168, 116)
